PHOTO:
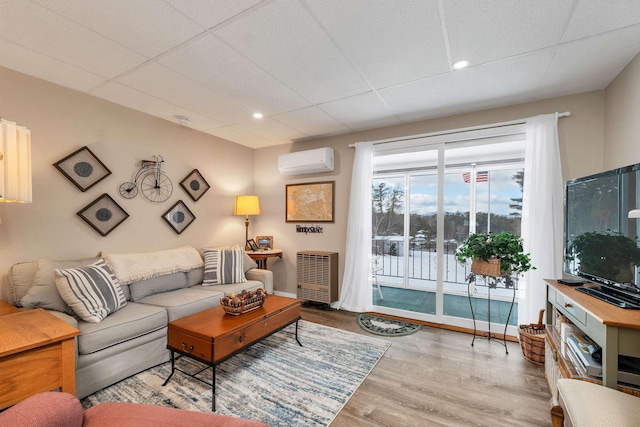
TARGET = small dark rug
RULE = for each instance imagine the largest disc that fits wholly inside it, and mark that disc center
(385, 326)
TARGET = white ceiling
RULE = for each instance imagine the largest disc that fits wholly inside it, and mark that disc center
(318, 67)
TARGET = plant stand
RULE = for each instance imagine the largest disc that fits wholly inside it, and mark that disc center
(492, 282)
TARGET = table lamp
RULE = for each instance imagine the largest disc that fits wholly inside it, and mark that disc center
(247, 205)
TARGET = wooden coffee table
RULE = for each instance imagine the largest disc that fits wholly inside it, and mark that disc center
(212, 336)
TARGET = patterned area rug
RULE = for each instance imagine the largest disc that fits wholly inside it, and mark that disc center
(275, 381)
(385, 326)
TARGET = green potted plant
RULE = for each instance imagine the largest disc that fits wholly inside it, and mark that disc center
(495, 255)
(609, 254)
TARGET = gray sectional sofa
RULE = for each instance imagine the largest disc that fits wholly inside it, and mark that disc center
(134, 337)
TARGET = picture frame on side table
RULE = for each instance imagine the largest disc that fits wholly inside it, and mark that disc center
(103, 214)
(83, 168)
(310, 202)
(265, 243)
(195, 185)
(179, 217)
(252, 245)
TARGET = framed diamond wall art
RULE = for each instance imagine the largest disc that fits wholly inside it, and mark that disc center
(195, 185)
(103, 214)
(179, 217)
(83, 168)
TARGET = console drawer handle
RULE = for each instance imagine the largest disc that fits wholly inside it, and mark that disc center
(567, 305)
(184, 348)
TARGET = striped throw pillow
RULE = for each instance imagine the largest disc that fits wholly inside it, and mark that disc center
(92, 292)
(223, 266)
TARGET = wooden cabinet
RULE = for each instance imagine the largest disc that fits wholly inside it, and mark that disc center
(614, 329)
(37, 353)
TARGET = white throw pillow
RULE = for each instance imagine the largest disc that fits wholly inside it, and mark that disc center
(223, 266)
(92, 292)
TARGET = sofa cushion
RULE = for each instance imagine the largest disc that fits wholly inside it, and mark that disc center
(131, 321)
(43, 293)
(156, 285)
(232, 287)
(92, 292)
(248, 263)
(184, 302)
(223, 266)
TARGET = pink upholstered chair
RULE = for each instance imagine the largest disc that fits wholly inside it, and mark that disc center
(53, 409)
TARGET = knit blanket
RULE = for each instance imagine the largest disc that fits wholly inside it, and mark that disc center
(130, 268)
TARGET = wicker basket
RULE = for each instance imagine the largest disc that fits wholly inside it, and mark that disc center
(532, 341)
(245, 307)
(486, 268)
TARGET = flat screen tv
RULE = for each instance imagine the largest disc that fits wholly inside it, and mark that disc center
(601, 241)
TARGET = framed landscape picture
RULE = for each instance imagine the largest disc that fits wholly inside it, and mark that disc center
(83, 168)
(310, 202)
(103, 214)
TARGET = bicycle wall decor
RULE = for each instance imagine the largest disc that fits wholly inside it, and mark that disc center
(154, 184)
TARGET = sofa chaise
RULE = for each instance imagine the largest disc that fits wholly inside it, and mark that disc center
(154, 288)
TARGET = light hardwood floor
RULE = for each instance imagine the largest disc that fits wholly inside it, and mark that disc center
(434, 377)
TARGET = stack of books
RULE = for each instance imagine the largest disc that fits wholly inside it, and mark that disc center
(586, 356)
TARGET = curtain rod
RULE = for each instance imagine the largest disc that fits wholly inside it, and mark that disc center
(492, 125)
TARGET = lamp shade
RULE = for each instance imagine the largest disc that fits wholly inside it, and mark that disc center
(247, 205)
(15, 163)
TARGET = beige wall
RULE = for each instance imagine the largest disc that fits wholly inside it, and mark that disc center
(622, 118)
(62, 121)
(581, 139)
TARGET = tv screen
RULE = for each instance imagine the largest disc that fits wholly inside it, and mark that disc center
(601, 241)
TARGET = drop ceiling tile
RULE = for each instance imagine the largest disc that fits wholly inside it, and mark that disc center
(67, 41)
(231, 133)
(389, 42)
(312, 121)
(163, 83)
(590, 63)
(590, 17)
(209, 13)
(427, 98)
(46, 68)
(284, 40)
(124, 95)
(484, 31)
(360, 112)
(517, 76)
(270, 129)
(217, 66)
(148, 27)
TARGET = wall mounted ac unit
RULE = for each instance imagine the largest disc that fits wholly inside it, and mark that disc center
(309, 161)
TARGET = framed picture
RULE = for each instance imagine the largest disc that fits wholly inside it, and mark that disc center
(310, 202)
(179, 217)
(83, 168)
(265, 242)
(195, 185)
(103, 214)
(251, 244)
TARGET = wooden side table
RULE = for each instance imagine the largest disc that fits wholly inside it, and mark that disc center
(37, 353)
(261, 257)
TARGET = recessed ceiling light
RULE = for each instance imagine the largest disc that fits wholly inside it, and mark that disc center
(458, 65)
(257, 115)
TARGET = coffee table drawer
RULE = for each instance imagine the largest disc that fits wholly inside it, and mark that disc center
(187, 344)
(253, 333)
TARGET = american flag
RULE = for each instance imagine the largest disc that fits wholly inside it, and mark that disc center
(482, 176)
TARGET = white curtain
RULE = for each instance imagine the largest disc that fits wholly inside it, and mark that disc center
(542, 212)
(356, 293)
(15, 163)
